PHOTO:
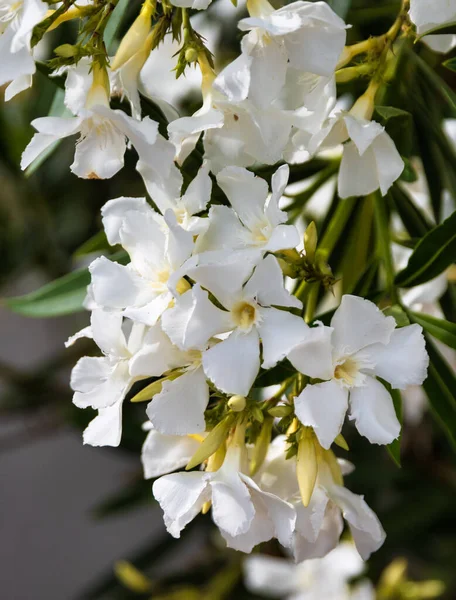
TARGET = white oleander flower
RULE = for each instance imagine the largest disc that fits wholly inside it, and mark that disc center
(309, 35)
(157, 247)
(315, 579)
(17, 21)
(361, 345)
(319, 525)
(162, 454)
(244, 514)
(103, 382)
(250, 316)
(370, 160)
(103, 136)
(443, 11)
(235, 133)
(254, 220)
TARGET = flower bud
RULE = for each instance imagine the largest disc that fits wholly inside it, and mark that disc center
(261, 446)
(135, 37)
(191, 55)
(212, 442)
(100, 90)
(284, 410)
(237, 403)
(310, 241)
(131, 577)
(306, 465)
(66, 50)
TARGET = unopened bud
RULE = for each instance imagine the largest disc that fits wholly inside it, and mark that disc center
(135, 37)
(341, 442)
(261, 446)
(306, 466)
(66, 50)
(310, 241)
(284, 410)
(131, 577)
(237, 403)
(191, 55)
(212, 442)
(100, 90)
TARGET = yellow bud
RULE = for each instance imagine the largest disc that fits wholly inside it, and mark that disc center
(284, 410)
(73, 12)
(100, 90)
(182, 286)
(131, 577)
(135, 37)
(261, 446)
(393, 577)
(237, 403)
(310, 241)
(212, 442)
(341, 442)
(206, 507)
(334, 467)
(66, 50)
(364, 106)
(423, 590)
(215, 461)
(150, 390)
(306, 466)
(191, 55)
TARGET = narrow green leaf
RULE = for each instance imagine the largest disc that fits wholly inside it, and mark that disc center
(62, 296)
(432, 255)
(114, 23)
(439, 328)
(440, 388)
(414, 220)
(212, 442)
(394, 448)
(96, 243)
(450, 64)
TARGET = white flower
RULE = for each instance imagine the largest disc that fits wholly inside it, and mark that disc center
(235, 133)
(162, 454)
(370, 159)
(315, 579)
(103, 139)
(233, 364)
(245, 515)
(103, 382)
(319, 525)
(308, 36)
(193, 201)
(443, 11)
(17, 20)
(255, 222)
(361, 345)
(157, 247)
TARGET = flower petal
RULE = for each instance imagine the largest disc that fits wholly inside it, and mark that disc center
(194, 319)
(106, 428)
(232, 507)
(358, 323)
(267, 285)
(280, 332)
(323, 407)
(181, 497)
(179, 408)
(113, 213)
(232, 365)
(373, 411)
(313, 355)
(366, 529)
(107, 333)
(162, 454)
(404, 361)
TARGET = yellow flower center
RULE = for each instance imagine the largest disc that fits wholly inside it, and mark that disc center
(347, 372)
(244, 315)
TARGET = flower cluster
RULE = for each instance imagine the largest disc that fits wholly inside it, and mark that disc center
(213, 302)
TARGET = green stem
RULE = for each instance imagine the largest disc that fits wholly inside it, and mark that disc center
(384, 244)
(311, 303)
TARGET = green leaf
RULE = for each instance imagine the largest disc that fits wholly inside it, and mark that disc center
(414, 220)
(409, 174)
(114, 24)
(432, 255)
(440, 388)
(398, 124)
(439, 328)
(96, 243)
(450, 64)
(60, 297)
(57, 109)
(340, 7)
(394, 448)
